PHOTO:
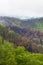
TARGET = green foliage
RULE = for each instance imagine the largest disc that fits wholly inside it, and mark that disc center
(7, 54)
(13, 37)
(18, 56)
(8, 34)
(38, 27)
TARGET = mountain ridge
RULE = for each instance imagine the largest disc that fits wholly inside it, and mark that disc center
(33, 23)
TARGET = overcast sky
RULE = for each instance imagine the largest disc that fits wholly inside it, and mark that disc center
(21, 8)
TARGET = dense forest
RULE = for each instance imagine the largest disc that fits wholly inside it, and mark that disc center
(21, 43)
(9, 55)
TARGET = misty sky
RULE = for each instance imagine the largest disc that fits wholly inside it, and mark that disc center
(21, 8)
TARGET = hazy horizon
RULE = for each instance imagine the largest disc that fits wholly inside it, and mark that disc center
(21, 8)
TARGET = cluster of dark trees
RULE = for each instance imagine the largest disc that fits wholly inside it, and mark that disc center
(19, 40)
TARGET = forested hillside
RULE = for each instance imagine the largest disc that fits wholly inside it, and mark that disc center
(18, 56)
(21, 41)
(31, 44)
(32, 23)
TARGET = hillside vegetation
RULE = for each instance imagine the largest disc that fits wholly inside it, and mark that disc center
(18, 56)
(32, 44)
(21, 41)
(32, 23)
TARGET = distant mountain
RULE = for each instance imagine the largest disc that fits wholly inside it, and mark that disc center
(32, 29)
(33, 23)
